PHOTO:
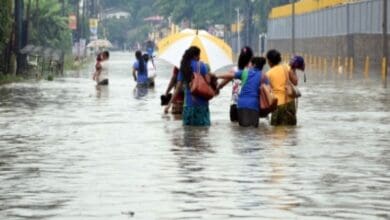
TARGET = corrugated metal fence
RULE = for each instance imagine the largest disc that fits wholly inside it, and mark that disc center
(356, 18)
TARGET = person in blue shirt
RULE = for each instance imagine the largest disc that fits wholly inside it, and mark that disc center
(195, 109)
(248, 99)
(140, 70)
(150, 50)
(244, 60)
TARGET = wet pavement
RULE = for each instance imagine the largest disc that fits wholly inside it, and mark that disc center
(71, 151)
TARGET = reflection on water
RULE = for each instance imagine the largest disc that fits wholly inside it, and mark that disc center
(69, 150)
(102, 91)
(140, 91)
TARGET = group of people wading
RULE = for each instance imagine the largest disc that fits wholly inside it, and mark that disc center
(247, 79)
(139, 70)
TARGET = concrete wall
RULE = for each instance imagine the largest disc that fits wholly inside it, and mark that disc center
(357, 46)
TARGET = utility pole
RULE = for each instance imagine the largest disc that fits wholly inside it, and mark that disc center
(63, 8)
(78, 34)
(93, 9)
(19, 34)
(238, 30)
(293, 28)
(37, 13)
(230, 22)
(83, 32)
(385, 44)
(28, 20)
(249, 22)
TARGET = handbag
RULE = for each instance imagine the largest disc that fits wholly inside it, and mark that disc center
(233, 113)
(291, 90)
(165, 99)
(200, 87)
(267, 101)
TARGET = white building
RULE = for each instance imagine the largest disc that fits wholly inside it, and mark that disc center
(115, 13)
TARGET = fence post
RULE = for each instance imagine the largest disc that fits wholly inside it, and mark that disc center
(384, 69)
(351, 67)
(338, 61)
(333, 64)
(366, 66)
(326, 65)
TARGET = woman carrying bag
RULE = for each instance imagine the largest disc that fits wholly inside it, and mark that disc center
(196, 108)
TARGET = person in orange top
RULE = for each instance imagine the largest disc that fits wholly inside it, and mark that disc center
(285, 113)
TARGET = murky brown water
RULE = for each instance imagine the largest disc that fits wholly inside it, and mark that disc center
(68, 151)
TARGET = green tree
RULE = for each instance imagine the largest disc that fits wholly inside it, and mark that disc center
(5, 33)
(5, 23)
(198, 13)
(204, 12)
(133, 29)
(48, 28)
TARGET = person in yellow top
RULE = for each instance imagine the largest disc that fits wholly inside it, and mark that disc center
(285, 113)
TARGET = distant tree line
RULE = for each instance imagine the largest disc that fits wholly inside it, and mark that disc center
(45, 22)
(198, 13)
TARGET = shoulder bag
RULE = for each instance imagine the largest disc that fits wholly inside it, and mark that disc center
(200, 87)
(267, 101)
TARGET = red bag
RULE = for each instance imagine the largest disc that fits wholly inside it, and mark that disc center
(200, 87)
(267, 101)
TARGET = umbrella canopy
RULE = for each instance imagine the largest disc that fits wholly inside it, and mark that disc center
(100, 43)
(214, 51)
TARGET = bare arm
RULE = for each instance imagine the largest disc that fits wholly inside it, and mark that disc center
(227, 77)
(134, 74)
(293, 77)
(171, 84)
(178, 88)
(98, 71)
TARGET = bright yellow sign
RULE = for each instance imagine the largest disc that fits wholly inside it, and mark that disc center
(93, 23)
(233, 27)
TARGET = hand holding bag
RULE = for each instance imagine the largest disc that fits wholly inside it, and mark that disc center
(200, 87)
(291, 90)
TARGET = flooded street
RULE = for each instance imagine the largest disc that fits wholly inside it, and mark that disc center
(70, 151)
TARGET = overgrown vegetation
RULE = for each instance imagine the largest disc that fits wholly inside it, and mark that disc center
(48, 27)
(5, 22)
(9, 78)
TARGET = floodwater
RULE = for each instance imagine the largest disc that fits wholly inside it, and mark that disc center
(70, 151)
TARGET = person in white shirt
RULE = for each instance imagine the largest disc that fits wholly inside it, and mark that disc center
(103, 67)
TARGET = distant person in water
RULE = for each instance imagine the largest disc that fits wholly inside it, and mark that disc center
(97, 66)
(102, 69)
(150, 77)
(150, 50)
(140, 70)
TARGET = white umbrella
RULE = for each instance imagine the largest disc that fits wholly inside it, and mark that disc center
(214, 51)
(100, 43)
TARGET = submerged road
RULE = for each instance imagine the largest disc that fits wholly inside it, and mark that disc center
(70, 151)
